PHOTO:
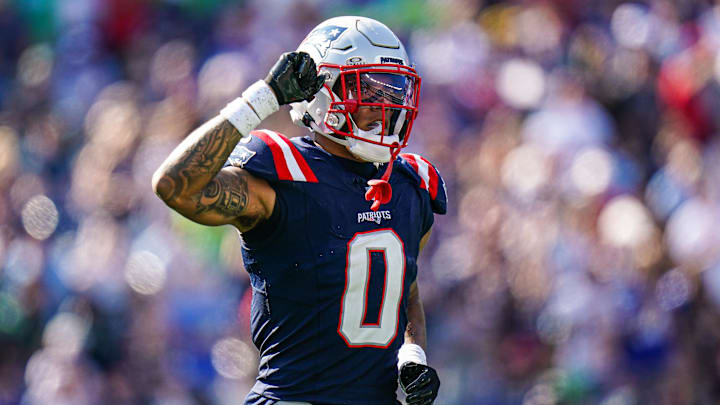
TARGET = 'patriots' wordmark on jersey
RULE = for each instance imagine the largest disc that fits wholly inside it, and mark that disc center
(322, 38)
(373, 216)
(241, 155)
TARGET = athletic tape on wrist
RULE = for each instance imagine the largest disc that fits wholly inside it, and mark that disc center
(262, 99)
(410, 352)
(241, 116)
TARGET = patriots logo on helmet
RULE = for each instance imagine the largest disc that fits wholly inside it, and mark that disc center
(322, 38)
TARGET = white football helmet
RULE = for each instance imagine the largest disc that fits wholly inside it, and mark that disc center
(366, 67)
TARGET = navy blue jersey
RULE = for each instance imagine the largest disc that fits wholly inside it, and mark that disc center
(330, 277)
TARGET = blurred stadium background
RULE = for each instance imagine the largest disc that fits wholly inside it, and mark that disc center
(579, 263)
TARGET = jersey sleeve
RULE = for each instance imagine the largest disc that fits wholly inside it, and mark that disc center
(428, 178)
(271, 156)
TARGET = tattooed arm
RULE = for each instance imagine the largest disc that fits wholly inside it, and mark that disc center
(192, 181)
(415, 329)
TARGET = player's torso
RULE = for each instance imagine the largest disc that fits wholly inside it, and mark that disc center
(331, 285)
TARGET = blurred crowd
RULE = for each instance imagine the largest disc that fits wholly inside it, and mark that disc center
(579, 262)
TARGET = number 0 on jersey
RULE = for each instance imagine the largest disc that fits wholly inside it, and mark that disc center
(357, 277)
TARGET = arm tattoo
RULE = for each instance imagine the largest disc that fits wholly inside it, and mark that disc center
(415, 329)
(194, 163)
(227, 195)
(410, 330)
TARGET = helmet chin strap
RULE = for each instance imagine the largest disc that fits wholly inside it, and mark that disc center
(380, 191)
(368, 151)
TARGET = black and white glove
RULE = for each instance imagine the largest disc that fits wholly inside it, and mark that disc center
(294, 77)
(420, 383)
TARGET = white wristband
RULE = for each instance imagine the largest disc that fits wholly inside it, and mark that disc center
(262, 99)
(410, 352)
(241, 116)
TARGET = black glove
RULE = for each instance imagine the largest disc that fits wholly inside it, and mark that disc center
(294, 77)
(420, 383)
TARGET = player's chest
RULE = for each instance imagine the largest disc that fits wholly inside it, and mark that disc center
(349, 241)
(340, 213)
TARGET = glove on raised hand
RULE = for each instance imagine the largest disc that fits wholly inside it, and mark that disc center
(420, 383)
(294, 77)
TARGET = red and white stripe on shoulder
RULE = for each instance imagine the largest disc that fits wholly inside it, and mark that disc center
(289, 163)
(426, 171)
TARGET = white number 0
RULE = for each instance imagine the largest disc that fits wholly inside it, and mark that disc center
(357, 277)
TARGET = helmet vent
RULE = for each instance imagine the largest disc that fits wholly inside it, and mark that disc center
(378, 35)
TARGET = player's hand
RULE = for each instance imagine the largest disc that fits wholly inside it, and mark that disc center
(420, 383)
(294, 78)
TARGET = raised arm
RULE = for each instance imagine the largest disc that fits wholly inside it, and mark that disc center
(192, 180)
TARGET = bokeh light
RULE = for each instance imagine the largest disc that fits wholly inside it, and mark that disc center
(40, 217)
(539, 29)
(525, 170)
(521, 83)
(591, 171)
(145, 273)
(65, 334)
(112, 126)
(35, 65)
(172, 63)
(691, 234)
(232, 358)
(24, 262)
(44, 376)
(630, 25)
(625, 222)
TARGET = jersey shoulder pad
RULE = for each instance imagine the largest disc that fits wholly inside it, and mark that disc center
(272, 156)
(428, 178)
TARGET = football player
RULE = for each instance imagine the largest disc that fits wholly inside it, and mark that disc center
(331, 223)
